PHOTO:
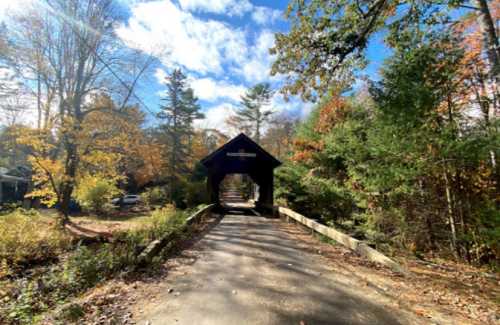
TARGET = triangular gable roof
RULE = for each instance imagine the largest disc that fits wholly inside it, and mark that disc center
(241, 138)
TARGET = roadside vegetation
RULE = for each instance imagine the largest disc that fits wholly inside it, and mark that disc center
(42, 266)
(27, 237)
(409, 162)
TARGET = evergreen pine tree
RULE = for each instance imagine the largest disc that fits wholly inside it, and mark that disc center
(252, 114)
(180, 110)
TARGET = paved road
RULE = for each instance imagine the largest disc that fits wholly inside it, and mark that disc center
(250, 272)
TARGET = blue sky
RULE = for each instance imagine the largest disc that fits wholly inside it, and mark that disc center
(222, 45)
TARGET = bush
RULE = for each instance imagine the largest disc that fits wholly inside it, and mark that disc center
(94, 193)
(196, 194)
(161, 222)
(26, 236)
(154, 196)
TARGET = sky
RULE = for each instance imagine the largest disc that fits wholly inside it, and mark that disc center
(221, 45)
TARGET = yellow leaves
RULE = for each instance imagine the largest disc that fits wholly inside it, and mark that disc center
(482, 180)
(29, 236)
(46, 195)
(47, 175)
(37, 140)
(94, 192)
(109, 140)
(97, 161)
(150, 162)
(46, 171)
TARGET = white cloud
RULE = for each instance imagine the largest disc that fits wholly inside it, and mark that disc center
(201, 46)
(208, 89)
(294, 106)
(184, 40)
(215, 117)
(8, 7)
(229, 7)
(219, 59)
(265, 15)
(211, 90)
(257, 67)
(160, 76)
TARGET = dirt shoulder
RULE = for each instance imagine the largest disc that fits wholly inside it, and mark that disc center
(444, 293)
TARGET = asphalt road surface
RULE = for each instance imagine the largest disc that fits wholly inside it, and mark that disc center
(251, 272)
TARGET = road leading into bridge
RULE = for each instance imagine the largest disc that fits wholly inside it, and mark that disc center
(251, 272)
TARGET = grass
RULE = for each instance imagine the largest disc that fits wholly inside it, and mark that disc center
(24, 298)
(112, 223)
(27, 237)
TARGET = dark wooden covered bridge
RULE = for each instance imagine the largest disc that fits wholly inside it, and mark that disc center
(241, 155)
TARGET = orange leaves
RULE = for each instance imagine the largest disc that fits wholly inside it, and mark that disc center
(333, 112)
(305, 150)
(474, 72)
(198, 147)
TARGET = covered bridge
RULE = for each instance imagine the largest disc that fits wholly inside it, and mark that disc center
(241, 155)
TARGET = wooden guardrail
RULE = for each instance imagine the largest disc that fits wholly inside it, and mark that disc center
(157, 245)
(349, 242)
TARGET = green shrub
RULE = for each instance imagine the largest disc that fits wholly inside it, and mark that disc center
(161, 222)
(94, 193)
(72, 313)
(154, 196)
(23, 311)
(196, 194)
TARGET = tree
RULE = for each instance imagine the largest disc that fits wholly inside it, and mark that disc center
(407, 167)
(146, 162)
(489, 35)
(12, 154)
(252, 115)
(109, 147)
(278, 138)
(180, 110)
(69, 46)
(328, 39)
(94, 193)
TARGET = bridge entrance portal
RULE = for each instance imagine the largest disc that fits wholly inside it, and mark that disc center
(241, 155)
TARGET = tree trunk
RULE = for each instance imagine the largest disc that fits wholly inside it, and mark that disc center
(70, 139)
(451, 217)
(490, 39)
(39, 101)
(69, 179)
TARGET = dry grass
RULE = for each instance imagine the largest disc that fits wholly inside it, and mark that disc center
(28, 236)
(111, 224)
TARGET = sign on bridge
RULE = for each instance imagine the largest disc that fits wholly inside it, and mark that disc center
(242, 154)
